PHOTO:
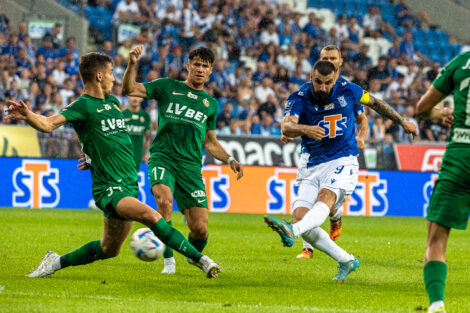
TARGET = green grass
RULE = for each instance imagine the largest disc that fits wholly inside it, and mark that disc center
(258, 274)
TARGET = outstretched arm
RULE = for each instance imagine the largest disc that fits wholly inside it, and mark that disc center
(129, 86)
(384, 109)
(214, 147)
(363, 127)
(20, 111)
(291, 128)
(426, 109)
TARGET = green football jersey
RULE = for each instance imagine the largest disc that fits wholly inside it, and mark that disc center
(455, 77)
(184, 115)
(103, 135)
(137, 123)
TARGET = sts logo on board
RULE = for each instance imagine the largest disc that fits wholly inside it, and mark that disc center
(36, 185)
(281, 191)
(217, 185)
(370, 196)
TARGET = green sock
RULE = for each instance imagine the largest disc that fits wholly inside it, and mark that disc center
(198, 244)
(173, 238)
(87, 253)
(168, 251)
(435, 273)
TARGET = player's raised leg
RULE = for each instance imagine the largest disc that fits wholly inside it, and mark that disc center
(132, 208)
(164, 199)
(114, 233)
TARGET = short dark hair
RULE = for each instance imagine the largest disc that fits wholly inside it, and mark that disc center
(324, 67)
(205, 54)
(330, 48)
(90, 63)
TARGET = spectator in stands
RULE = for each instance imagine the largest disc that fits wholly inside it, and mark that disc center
(403, 13)
(408, 51)
(354, 34)
(190, 18)
(71, 66)
(118, 69)
(266, 127)
(30, 47)
(12, 46)
(374, 89)
(260, 72)
(397, 89)
(55, 36)
(269, 35)
(59, 73)
(394, 50)
(341, 27)
(117, 92)
(22, 61)
(68, 90)
(263, 90)
(56, 105)
(22, 31)
(108, 49)
(70, 45)
(465, 47)
(380, 73)
(310, 27)
(373, 24)
(47, 49)
(4, 23)
(361, 59)
(126, 10)
(433, 71)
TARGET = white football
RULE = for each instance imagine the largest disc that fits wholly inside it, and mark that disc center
(146, 246)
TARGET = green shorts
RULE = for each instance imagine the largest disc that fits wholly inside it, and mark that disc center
(107, 197)
(450, 200)
(185, 181)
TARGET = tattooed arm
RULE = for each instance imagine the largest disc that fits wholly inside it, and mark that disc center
(384, 109)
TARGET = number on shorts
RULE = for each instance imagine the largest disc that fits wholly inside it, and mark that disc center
(339, 169)
(154, 170)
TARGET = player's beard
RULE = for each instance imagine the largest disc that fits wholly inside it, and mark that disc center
(321, 97)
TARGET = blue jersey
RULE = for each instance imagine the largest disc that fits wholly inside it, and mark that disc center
(336, 118)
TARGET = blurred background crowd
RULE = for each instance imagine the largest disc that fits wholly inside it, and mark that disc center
(264, 51)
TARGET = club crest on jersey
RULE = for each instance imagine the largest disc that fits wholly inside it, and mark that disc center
(342, 101)
(107, 107)
(330, 106)
(142, 119)
(192, 96)
(205, 102)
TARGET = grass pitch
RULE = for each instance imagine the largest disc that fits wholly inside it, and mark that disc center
(258, 274)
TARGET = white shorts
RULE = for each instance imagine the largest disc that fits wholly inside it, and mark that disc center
(339, 176)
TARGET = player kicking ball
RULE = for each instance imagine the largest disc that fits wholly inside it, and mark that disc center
(100, 126)
(323, 114)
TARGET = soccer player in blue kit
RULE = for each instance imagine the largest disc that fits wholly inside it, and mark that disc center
(323, 114)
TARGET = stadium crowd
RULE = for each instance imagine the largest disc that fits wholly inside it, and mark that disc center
(265, 50)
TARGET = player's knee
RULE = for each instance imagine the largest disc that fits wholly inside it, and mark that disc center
(199, 230)
(111, 251)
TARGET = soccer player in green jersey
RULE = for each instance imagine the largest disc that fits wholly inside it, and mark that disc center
(449, 206)
(138, 127)
(99, 123)
(186, 122)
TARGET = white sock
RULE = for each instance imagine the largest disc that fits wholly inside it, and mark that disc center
(321, 240)
(436, 305)
(338, 214)
(314, 218)
(306, 245)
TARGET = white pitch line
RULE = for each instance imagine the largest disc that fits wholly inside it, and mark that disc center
(2, 288)
(294, 308)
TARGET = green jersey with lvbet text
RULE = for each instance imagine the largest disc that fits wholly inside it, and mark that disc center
(455, 77)
(137, 124)
(101, 128)
(184, 116)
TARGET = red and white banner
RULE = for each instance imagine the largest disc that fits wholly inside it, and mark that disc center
(422, 158)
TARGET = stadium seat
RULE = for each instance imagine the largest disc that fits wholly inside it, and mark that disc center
(442, 36)
(315, 3)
